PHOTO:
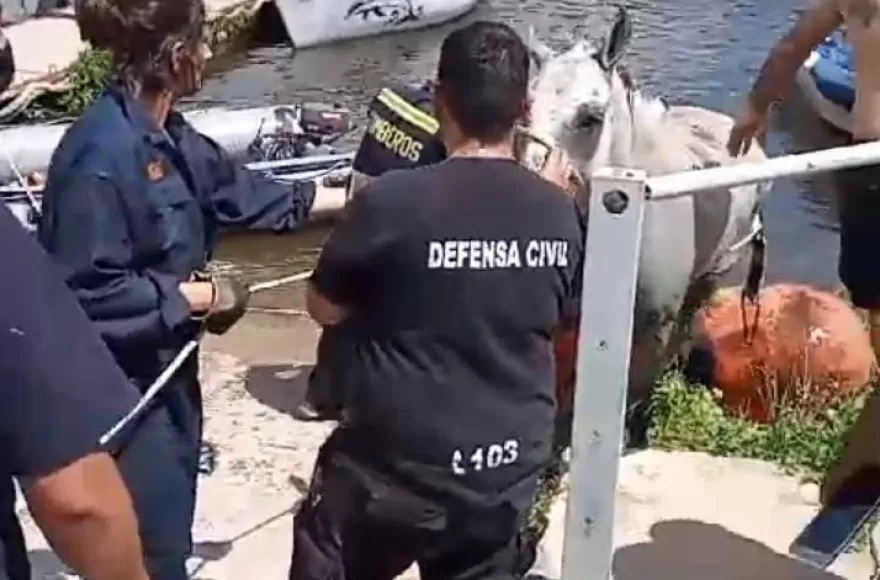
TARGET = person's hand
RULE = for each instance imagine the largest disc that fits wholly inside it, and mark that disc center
(559, 170)
(230, 303)
(750, 125)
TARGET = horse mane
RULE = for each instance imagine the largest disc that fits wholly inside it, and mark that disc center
(648, 133)
(662, 139)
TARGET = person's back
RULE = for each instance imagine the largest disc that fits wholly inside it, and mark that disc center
(449, 279)
(862, 18)
(456, 363)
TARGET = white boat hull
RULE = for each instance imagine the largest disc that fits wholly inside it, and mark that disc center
(329, 202)
(827, 110)
(30, 147)
(315, 22)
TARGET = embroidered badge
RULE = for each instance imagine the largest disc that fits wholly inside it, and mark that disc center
(155, 170)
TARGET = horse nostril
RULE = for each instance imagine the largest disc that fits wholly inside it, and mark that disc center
(587, 115)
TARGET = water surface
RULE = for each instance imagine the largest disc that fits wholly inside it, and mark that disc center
(703, 53)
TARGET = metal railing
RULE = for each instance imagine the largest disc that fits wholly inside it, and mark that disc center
(617, 210)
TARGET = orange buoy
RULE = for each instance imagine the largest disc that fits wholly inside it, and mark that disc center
(806, 344)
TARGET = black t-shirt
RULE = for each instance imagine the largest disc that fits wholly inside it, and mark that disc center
(454, 293)
(60, 388)
(402, 132)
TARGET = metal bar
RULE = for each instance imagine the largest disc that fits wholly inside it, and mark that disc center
(613, 248)
(688, 182)
(307, 161)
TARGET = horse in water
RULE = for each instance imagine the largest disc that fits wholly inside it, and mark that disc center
(586, 103)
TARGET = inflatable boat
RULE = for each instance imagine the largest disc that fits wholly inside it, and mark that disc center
(242, 132)
(315, 22)
(287, 143)
(827, 80)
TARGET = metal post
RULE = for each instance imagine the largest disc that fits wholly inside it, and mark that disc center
(613, 247)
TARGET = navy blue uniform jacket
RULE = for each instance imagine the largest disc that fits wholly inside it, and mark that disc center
(130, 211)
(59, 388)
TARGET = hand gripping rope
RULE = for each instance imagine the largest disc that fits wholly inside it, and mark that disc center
(162, 380)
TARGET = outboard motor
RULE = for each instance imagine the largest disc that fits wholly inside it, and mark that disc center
(307, 129)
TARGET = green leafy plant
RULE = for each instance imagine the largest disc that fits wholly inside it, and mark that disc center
(88, 75)
(804, 436)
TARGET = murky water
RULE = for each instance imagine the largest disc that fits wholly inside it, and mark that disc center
(703, 53)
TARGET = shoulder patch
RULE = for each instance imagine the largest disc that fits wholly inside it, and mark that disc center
(155, 170)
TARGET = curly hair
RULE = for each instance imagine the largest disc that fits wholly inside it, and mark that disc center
(140, 35)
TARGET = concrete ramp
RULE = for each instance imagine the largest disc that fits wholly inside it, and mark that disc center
(689, 516)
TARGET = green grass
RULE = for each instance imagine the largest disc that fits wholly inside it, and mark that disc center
(86, 77)
(804, 436)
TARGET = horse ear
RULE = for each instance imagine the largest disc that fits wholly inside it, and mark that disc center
(539, 51)
(617, 41)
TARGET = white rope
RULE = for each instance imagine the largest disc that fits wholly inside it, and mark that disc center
(24, 98)
(28, 190)
(179, 359)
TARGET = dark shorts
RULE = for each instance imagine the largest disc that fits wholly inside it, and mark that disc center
(859, 204)
(355, 525)
(13, 551)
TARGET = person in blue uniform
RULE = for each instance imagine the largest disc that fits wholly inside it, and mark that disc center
(133, 203)
(60, 390)
(451, 279)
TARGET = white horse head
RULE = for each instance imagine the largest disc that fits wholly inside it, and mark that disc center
(585, 103)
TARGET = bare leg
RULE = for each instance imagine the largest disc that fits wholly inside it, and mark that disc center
(874, 328)
(860, 448)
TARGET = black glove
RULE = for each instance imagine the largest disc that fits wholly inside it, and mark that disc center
(230, 302)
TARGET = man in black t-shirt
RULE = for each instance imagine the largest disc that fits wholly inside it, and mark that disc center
(60, 389)
(402, 133)
(450, 279)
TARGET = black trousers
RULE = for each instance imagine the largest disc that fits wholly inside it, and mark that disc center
(355, 524)
(13, 552)
(859, 220)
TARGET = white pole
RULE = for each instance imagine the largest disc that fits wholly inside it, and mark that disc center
(688, 182)
(613, 248)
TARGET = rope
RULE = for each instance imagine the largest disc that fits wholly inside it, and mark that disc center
(22, 180)
(872, 548)
(24, 98)
(156, 387)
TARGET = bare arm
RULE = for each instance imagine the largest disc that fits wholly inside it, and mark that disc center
(777, 75)
(86, 514)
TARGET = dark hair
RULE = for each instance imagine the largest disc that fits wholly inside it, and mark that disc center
(140, 35)
(484, 76)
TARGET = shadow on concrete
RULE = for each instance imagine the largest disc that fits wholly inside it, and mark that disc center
(217, 550)
(691, 550)
(282, 387)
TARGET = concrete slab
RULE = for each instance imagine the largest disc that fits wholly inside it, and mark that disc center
(45, 46)
(680, 516)
(689, 516)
